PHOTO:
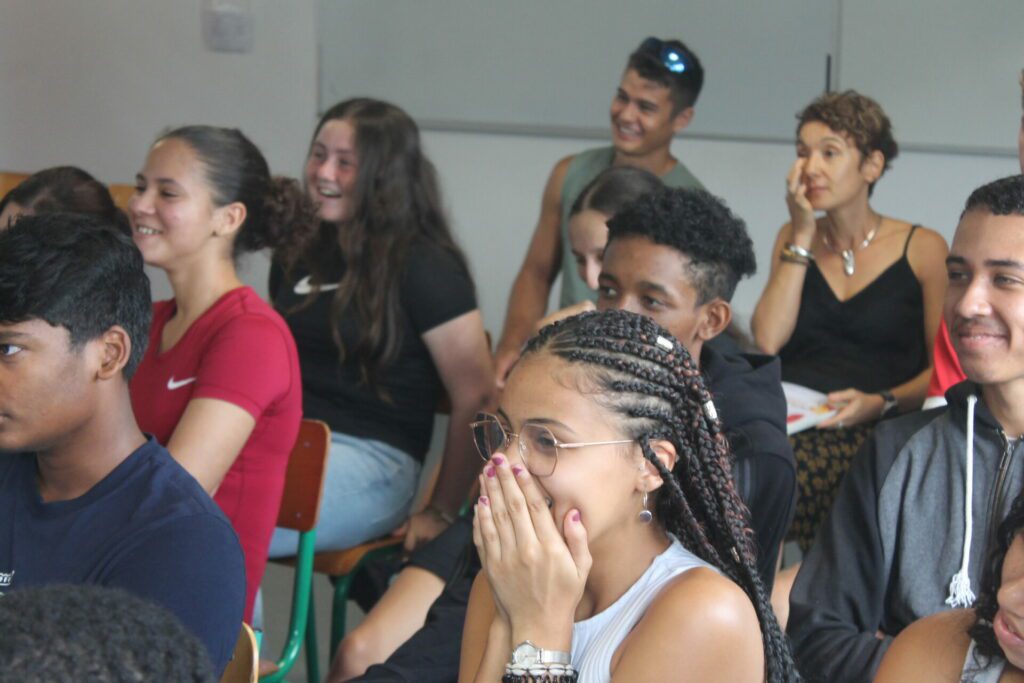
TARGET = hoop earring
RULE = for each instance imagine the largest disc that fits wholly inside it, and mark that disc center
(645, 515)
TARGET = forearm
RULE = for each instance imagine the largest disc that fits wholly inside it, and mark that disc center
(776, 313)
(527, 304)
(460, 463)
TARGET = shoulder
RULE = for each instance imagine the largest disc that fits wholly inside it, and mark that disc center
(927, 251)
(702, 612)
(933, 648)
(252, 320)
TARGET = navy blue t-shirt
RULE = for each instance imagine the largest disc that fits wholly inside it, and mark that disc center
(147, 527)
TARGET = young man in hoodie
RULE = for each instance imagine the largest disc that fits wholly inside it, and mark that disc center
(910, 528)
(676, 256)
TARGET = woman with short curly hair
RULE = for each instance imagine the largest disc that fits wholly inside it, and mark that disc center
(854, 298)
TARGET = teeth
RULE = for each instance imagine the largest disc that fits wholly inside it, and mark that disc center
(147, 231)
(333, 194)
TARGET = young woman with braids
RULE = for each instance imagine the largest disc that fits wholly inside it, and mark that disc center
(613, 542)
(980, 645)
(219, 384)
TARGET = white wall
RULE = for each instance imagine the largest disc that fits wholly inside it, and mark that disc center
(92, 83)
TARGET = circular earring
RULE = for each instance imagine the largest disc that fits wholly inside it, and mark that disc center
(645, 515)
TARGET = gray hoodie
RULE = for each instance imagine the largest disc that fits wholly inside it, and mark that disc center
(894, 541)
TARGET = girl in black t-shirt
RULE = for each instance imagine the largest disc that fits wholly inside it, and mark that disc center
(384, 315)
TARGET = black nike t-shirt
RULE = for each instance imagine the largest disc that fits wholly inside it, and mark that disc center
(434, 290)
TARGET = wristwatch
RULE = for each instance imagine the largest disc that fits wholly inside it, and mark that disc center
(891, 405)
(526, 654)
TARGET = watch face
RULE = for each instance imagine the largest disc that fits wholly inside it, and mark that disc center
(525, 654)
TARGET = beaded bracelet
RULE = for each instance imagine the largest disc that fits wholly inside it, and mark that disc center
(546, 677)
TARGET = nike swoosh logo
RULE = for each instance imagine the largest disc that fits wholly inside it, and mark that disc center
(172, 384)
(304, 287)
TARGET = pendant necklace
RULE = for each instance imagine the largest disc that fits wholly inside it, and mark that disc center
(849, 263)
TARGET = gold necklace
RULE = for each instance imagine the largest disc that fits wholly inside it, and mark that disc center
(849, 264)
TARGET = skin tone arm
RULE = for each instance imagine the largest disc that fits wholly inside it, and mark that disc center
(775, 315)
(460, 352)
(532, 286)
(208, 438)
(710, 614)
(930, 649)
(927, 257)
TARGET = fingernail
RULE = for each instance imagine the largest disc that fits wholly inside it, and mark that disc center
(483, 500)
(576, 516)
(517, 470)
(497, 460)
(489, 472)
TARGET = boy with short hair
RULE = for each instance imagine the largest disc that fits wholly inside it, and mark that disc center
(85, 497)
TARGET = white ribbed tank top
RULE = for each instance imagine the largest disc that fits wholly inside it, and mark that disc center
(595, 640)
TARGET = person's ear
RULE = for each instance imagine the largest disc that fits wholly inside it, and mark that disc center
(872, 166)
(682, 119)
(114, 352)
(228, 219)
(650, 479)
(715, 317)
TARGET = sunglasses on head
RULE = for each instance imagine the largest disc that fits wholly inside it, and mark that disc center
(672, 58)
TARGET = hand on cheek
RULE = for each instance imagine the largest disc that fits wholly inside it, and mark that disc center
(537, 577)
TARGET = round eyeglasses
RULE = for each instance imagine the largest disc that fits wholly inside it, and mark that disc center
(538, 447)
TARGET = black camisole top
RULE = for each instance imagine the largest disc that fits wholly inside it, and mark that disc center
(872, 341)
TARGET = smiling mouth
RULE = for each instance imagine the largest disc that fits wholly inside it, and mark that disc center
(143, 230)
(328, 194)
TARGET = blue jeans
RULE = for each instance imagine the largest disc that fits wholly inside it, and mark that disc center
(368, 490)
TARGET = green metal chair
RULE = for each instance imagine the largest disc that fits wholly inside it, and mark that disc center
(300, 509)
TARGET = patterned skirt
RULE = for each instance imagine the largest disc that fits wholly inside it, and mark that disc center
(823, 457)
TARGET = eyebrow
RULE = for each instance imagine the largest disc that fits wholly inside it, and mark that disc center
(655, 286)
(991, 263)
(11, 336)
(546, 421)
(141, 178)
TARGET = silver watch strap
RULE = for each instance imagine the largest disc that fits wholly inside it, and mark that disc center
(554, 657)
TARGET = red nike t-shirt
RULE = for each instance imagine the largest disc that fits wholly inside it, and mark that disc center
(242, 352)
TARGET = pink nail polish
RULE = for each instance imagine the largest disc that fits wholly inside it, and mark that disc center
(489, 472)
(576, 516)
(483, 500)
(517, 470)
(497, 460)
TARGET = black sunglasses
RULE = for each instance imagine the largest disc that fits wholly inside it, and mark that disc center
(672, 58)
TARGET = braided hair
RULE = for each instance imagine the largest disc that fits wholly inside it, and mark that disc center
(642, 373)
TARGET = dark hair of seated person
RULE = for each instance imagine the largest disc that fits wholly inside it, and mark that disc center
(700, 226)
(79, 272)
(94, 633)
(65, 189)
(988, 604)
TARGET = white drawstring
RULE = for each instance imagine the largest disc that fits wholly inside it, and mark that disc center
(960, 593)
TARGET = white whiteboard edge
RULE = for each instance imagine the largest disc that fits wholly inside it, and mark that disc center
(590, 133)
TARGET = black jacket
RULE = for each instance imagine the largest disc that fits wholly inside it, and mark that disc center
(748, 396)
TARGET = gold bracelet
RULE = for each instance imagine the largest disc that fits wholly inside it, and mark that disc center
(789, 257)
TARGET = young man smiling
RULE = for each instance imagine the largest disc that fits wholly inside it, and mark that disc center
(884, 558)
(654, 101)
(85, 497)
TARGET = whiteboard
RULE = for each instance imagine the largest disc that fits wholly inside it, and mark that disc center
(944, 70)
(552, 66)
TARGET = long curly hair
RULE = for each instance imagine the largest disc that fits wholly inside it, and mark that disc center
(645, 376)
(397, 200)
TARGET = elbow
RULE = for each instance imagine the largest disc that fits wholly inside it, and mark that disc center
(763, 339)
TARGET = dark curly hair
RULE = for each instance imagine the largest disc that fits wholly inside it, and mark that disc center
(278, 212)
(94, 633)
(992, 579)
(858, 116)
(78, 272)
(683, 88)
(1003, 197)
(647, 378)
(66, 189)
(700, 226)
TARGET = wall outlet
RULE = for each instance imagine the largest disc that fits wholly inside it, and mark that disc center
(227, 25)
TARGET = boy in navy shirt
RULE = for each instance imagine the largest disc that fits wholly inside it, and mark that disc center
(85, 497)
